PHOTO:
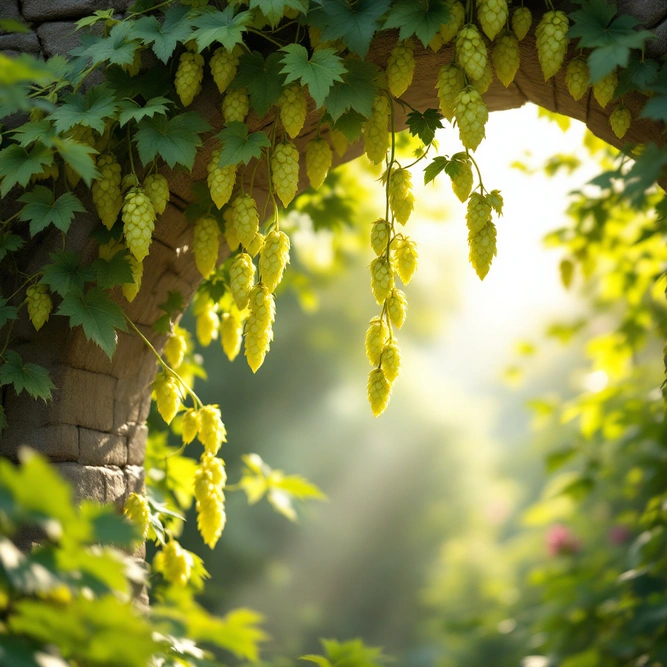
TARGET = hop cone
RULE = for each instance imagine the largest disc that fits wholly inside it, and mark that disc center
(220, 180)
(604, 89)
(235, 106)
(223, 67)
(189, 76)
(293, 106)
(175, 563)
(552, 42)
(190, 424)
(212, 432)
(620, 120)
(39, 305)
(382, 278)
(478, 213)
(401, 199)
(492, 16)
(457, 17)
(462, 180)
(577, 76)
(471, 52)
(376, 336)
(376, 134)
(379, 391)
(482, 248)
(206, 244)
(175, 348)
(471, 115)
(285, 171)
(107, 196)
(521, 22)
(405, 259)
(130, 290)
(483, 84)
(138, 222)
(318, 161)
(380, 236)
(390, 361)
(397, 307)
(241, 279)
(506, 58)
(207, 324)
(231, 335)
(168, 394)
(258, 330)
(451, 81)
(245, 218)
(157, 189)
(136, 510)
(274, 258)
(339, 142)
(400, 68)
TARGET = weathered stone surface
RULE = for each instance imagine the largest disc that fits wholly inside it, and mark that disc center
(96, 448)
(136, 444)
(115, 486)
(57, 37)
(135, 479)
(87, 482)
(26, 42)
(86, 399)
(59, 442)
(50, 10)
(9, 9)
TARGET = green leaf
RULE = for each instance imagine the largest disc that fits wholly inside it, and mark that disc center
(417, 17)
(11, 25)
(41, 210)
(317, 659)
(97, 314)
(318, 73)
(78, 156)
(262, 78)
(29, 377)
(96, 17)
(164, 36)
(424, 125)
(64, 274)
(7, 312)
(221, 27)
(29, 133)
(611, 40)
(638, 75)
(238, 146)
(495, 199)
(274, 10)
(355, 91)
(437, 166)
(130, 110)
(18, 164)
(89, 111)
(174, 304)
(115, 271)
(10, 243)
(350, 124)
(116, 49)
(354, 23)
(175, 139)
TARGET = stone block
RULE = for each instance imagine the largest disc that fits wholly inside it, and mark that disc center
(25, 42)
(51, 10)
(87, 482)
(98, 448)
(135, 479)
(136, 444)
(58, 37)
(58, 442)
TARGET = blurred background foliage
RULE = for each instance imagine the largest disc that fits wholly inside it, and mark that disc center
(509, 507)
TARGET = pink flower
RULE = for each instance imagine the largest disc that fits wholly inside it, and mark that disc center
(561, 541)
(619, 535)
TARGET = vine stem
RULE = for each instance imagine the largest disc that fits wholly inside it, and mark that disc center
(479, 173)
(263, 34)
(162, 363)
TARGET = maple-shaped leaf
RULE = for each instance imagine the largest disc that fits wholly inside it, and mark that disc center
(421, 18)
(7, 312)
(437, 166)
(117, 48)
(9, 243)
(164, 37)
(114, 271)
(28, 377)
(131, 110)
(175, 140)
(239, 146)
(89, 111)
(611, 37)
(262, 79)
(424, 125)
(78, 156)
(274, 10)
(221, 26)
(28, 133)
(318, 72)
(97, 314)
(355, 91)
(18, 164)
(65, 274)
(42, 210)
(354, 23)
